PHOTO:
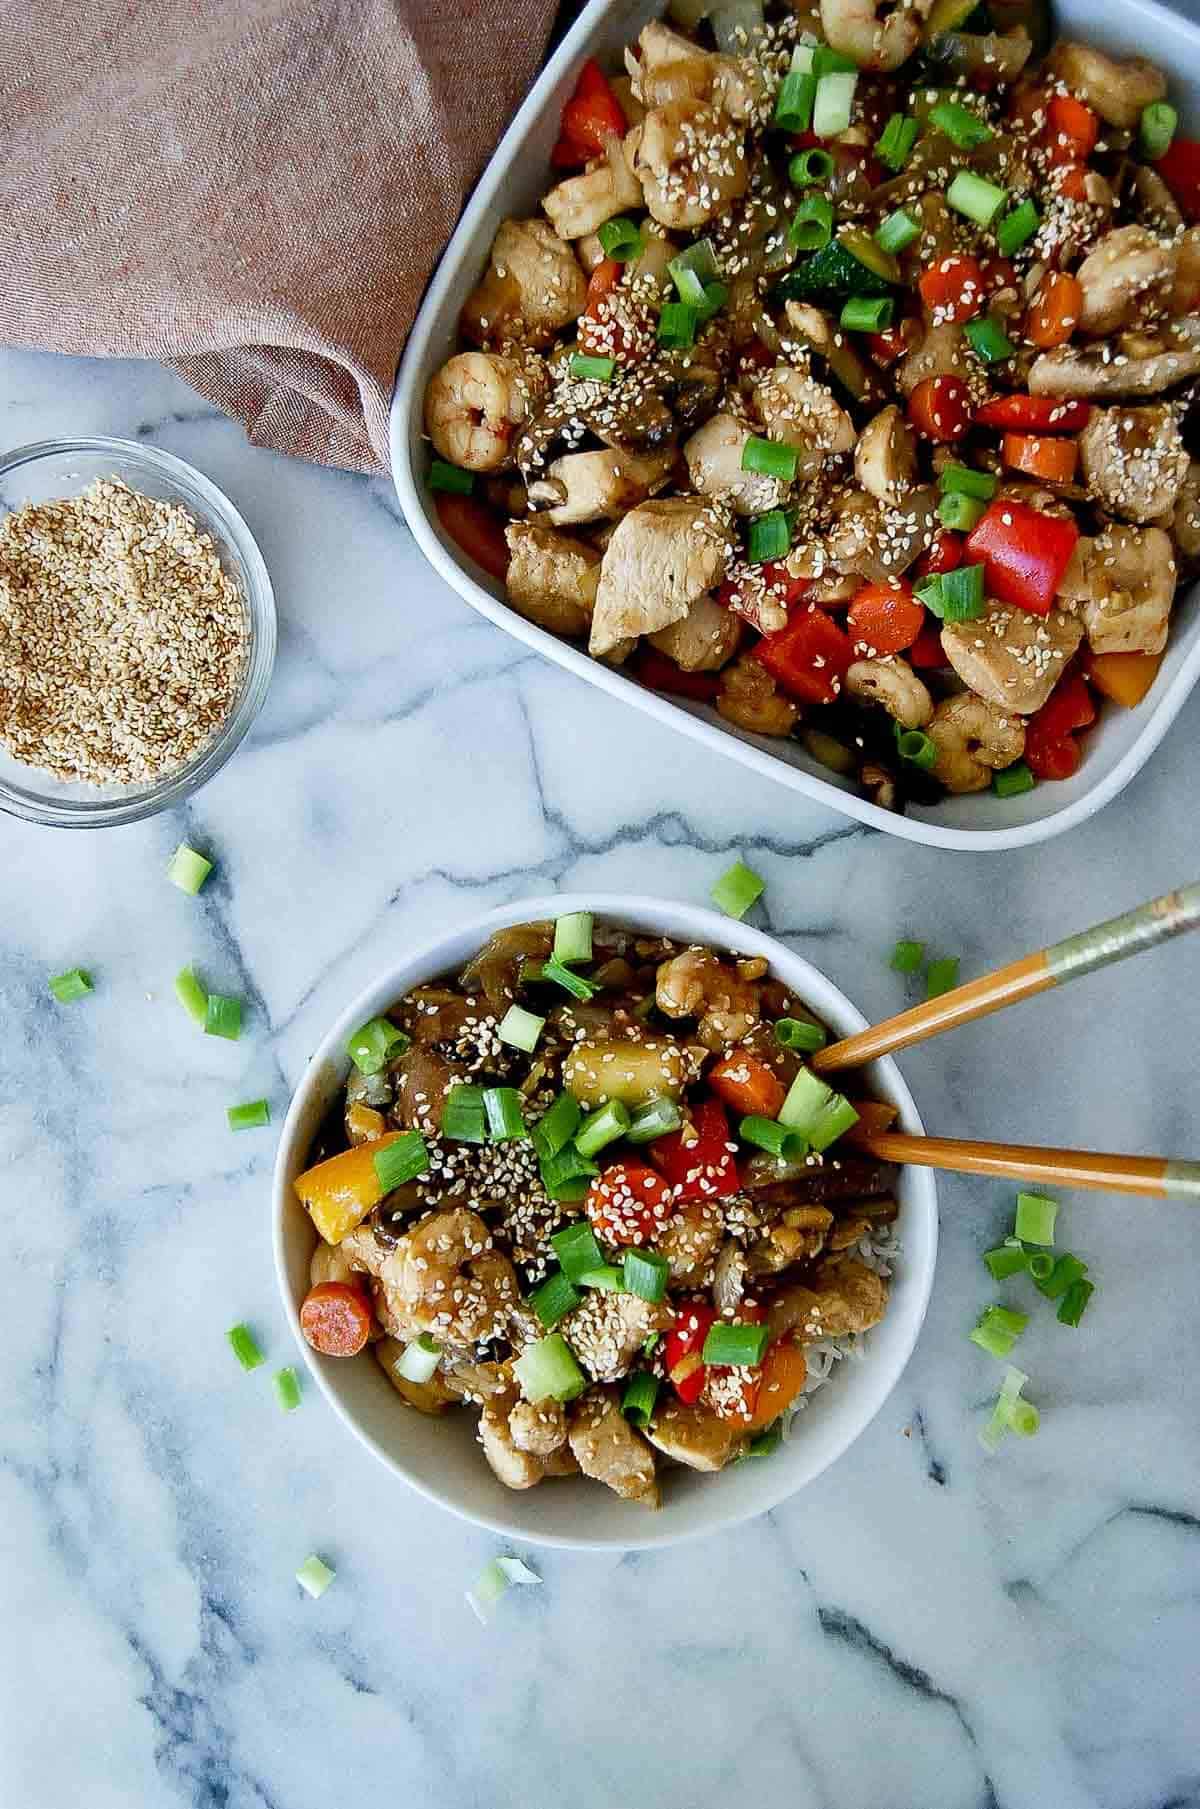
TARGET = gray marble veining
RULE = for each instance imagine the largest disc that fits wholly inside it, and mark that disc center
(925, 1628)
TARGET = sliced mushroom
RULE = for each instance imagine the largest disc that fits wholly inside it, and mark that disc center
(881, 540)
(885, 458)
(751, 700)
(590, 486)
(1102, 371)
(714, 462)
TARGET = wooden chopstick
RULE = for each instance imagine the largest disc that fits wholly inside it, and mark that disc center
(1156, 1177)
(1145, 927)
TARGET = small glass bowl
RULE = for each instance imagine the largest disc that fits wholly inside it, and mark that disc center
(60, 468)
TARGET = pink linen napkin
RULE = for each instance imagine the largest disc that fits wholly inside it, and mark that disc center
(254, 190)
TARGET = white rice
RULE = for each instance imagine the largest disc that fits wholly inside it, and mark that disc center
(879, 1250)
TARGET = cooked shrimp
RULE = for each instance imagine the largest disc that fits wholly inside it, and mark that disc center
(697, 984)
(473, 405)
(854, 28)
(448, 1280)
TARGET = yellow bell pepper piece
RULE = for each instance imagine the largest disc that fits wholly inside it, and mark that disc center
(339, 1193)
(1125, 677)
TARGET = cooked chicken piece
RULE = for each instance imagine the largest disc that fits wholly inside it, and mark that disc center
(698, 984)
(1185, 291)
(843, 1296)
(751, 700)
(796, 408)
(1010, 657)
(607, 1331)
(691, 162)
(1134, 460)
(1128, 273)
(1185, 522)
(609, 1450)
(533, 288)
(1117, 90)
(663, 556)
(517, 1469)
(538, 1429)
(689, 1240)
(672, 67)
(332, 1262)
(729, 1277)
(943, 352)
(1157, 363)
(702, 641)
(582, 204)
(894, 684)
(589, 486)
(881, 540)
(972, 739)
(552, 577)
(1124, 584)
(714, 462)
(695, 1436)
(798, 1237)
(1155, 204)
(885, 458)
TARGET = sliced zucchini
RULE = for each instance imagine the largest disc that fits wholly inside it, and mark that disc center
(850, 265)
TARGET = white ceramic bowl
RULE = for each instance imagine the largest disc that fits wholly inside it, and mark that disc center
(513, 184)
(441, 1458)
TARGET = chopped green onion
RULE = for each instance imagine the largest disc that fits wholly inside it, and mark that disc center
(998, 1330)
(577, 1250)
(314, 1576)
(374, 1043)
(658, 1118)
(567, 1176)
(646, 1274)
(575, 984)
(812, 223)
(1073, 1304)
(556, 1127)
(867, 314)
(737, 889)
(915, 746)
(809, 168)
(896, 232)
(962, 594)
(962, 480)
(835, 1118)
(775, 1138)
(244, 1346)
(602, 1128)
(691, 289)
(400, 1162)
(502, 1109)
(1067, 1270)
(419, 1359)
(962, 127)
(637, 1402)
(738, 1345)
(1016, 227)
(444, 476)
(191, 994)
(988, 340)
(520, 1029)
(1024, 1418)
(1040, 1264)
(978, 200)
(799, 1034)
(573, 937)
(490, 1585)
(794, 102)
(960, 512)
(547, 1370)
(187, 869)
(1012, 780)
(74, 984)
(591, 369)
(1008, 1414)
(556, 1297)
(833, 103)
(907, 957)
(802, 58)
(249, 1117)
(223, 1017)
(676, 326)
(894, 146)
(1005, 1260)
(1036, 1214)
(766, 1442)
(769, 537)
(715, 297)
(620, 238)
(651, 1344)
(463, 1119)
(831, 62)
(700, 257)
(807, 1097)
(287, 1389)
(941, 976)
(608, 1278)
(770, 458)
(1156, 129)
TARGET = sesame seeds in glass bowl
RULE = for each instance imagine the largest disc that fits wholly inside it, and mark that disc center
(137, 631)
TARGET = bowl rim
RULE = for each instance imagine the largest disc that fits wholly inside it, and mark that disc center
(693, 923)
(406, 406)
(217, 513)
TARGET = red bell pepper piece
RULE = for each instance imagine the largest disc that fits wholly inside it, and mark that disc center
(927, 650)
(1069, 706)
(682, 1347)
(476, 530)
(1179, 168)
(1049, 756)
(590, 120)
(810, 657)
(1024, 552)
(704, 1169)
(887, 346)
(662, 674)
(1033, 414)
(943, 554)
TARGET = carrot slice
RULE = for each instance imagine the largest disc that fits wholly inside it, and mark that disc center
(747, 1085)
(885, 617)
(1071, 130)
(1039, 455)
(1054, 311)
(784, 1372)
(335, 1319)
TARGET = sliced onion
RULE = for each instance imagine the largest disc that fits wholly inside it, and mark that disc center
(734, 23)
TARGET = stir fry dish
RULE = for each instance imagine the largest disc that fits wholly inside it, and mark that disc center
(845, 383)
(589, 1186)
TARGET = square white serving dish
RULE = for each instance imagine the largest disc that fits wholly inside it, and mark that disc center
(513, 184)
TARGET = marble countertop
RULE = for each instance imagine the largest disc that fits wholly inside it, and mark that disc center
(924, 1628)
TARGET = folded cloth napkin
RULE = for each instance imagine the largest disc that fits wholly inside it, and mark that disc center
(254, 190)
